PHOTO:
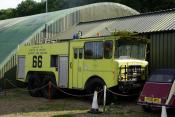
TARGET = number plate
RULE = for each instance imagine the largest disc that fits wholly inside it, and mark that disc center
(152, 100)
(157, 100)
(149, 99)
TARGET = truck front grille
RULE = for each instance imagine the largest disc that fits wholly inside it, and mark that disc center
(131, 73)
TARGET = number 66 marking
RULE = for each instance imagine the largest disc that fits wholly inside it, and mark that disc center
(37, 61)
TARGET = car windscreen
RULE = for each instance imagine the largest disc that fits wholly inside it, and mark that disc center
(161, 78)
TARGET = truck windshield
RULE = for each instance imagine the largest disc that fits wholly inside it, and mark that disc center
(161, 78)
(130, 50)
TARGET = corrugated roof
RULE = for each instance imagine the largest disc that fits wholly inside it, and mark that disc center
(143, 23)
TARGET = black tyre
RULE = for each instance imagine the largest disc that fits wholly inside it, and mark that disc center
(97, 84)
(33, 86)
(45, 91)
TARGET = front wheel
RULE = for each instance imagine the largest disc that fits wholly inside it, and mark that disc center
(97, 85)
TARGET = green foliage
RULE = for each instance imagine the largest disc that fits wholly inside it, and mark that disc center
(8, 13)
(30, 7)
(124, 33)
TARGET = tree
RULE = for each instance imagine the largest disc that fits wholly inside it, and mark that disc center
(6, 14)
(29, 7)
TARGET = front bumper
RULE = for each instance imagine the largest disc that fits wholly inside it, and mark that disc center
(153, 105)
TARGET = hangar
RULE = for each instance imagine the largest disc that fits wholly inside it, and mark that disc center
(90, 19)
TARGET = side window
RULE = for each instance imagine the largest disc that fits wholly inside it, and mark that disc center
(93, 50)
(54, 61)
(88, 50)
(80, 53)
(98, 50)
(108, 48)
(75, 53)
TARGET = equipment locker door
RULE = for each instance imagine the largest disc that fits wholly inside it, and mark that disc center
(21, 67)
(63, 71)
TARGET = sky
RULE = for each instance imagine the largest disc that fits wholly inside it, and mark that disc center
(4, 4)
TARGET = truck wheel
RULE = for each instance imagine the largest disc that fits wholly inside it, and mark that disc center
(45, 90)
(97, 84)
(33, 84)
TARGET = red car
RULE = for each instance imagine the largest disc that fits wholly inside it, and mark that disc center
(159, 90)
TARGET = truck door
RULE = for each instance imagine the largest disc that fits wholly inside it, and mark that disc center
(77, 68)
(80, 67)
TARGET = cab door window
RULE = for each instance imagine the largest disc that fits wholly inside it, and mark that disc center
(75, 53)
(93, 50)
(108, 49)
(80, 53)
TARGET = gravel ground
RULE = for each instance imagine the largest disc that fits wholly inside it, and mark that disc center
(19, 103)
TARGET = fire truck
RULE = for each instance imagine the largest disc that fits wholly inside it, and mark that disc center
(87, 64)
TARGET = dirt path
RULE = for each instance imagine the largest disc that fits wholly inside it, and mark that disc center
(20, 104)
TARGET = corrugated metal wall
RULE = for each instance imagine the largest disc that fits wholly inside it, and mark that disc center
(162, 46)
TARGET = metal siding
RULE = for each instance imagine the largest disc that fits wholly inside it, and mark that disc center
(156, 48)
(173, 49)
(163, 61)
(159, 46)
(151, 52)
(162, 50)
(168, 50)
(169, 57)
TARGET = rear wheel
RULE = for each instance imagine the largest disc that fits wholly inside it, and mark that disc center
(33, 86)
(45, 91)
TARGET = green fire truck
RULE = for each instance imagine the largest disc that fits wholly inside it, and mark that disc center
(117, 61)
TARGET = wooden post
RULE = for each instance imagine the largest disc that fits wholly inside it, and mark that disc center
(49, 90)
(5, 87)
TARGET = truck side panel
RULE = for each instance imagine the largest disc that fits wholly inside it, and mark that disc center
(39, 57)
